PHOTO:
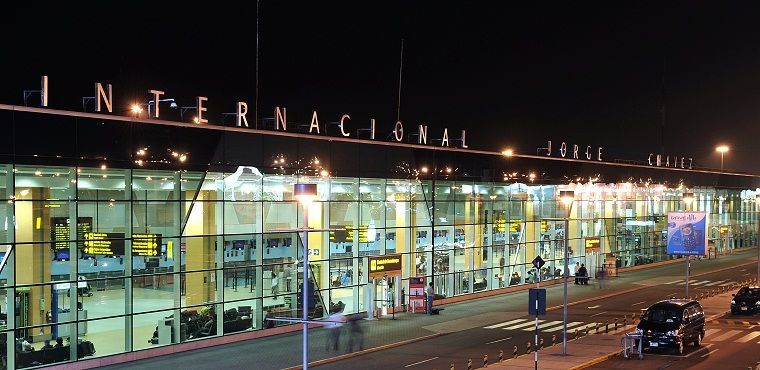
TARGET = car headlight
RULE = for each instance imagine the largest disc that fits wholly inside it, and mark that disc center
(673, 333)
(733, 301)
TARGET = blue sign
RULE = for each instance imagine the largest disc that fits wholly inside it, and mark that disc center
(536, 302)
(687, 233)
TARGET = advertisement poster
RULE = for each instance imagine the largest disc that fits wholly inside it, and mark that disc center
(687, 233)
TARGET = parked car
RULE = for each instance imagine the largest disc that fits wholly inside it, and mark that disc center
(746, 300)
(672, 323)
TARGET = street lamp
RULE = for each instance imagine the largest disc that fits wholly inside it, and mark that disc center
(305, 194)
(757, 234)
(722, 149)
(567, 197)
(136, 109)
(688, 199)
(508, 152)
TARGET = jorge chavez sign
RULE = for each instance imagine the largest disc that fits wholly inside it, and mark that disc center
(687, 233)
(385, 265)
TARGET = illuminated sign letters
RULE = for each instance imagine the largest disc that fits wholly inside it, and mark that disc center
(563, 151)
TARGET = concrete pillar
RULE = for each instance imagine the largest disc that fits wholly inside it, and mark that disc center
(199, 287)
(34, 257)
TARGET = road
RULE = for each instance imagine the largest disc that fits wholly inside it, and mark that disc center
(473, 328)
(517, 329)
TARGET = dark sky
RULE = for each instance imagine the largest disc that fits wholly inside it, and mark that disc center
(512, 75)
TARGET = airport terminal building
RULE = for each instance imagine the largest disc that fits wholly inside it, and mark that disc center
(125, 234)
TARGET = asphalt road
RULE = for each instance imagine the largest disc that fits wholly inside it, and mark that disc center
(518, 329)
(470, 329)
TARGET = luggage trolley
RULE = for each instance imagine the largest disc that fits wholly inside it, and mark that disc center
(630, 345)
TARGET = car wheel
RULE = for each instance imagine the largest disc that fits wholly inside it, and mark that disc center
(698, 341)
(679, 348)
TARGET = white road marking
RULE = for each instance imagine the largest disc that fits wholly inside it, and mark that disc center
(747, 274)
(503, 324)
(638, 303)
(673, 282)
(748, 337)
(711, 352)
(717, 282)
(593, 307)
(522, 325)
(709, 332)
(499, 340)
(699, 282)
(421, 362)
(597, 314)
(552, 323)
(726, 284)
(569, 325)
(726, 335)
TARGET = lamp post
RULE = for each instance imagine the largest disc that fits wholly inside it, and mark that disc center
(722, 149)
(688, 199)
(757, 234)
(305, 193)
(567, 197)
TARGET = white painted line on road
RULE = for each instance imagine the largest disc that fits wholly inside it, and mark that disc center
(748, 337)
(499, 340)
(421, 362)
(523, 325)
(717, 282)
(711, 352)
(552, 323)
(593, 307)
(726, 284)
(638, 303)
(747, 274)
(726, 335)
(597, 314)
(742, 270)
(673, 282)
(709, 332)
(569, 325)
(699, 282)
(503, 324)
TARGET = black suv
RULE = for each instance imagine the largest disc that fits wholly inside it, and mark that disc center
(746, 300)
(672, 323)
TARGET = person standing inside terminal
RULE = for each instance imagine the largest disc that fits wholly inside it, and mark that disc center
(430, 293)
(577, 267)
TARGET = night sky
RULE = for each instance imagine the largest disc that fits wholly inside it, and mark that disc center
(512, 75)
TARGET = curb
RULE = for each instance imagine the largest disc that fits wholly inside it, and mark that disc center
(595, 361)
(342, 357)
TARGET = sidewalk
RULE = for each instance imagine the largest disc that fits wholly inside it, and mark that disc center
(593, 349)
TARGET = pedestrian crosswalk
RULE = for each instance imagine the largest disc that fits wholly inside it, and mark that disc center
(544, 325)
(696, 282)
(731, 335)
(736, 335)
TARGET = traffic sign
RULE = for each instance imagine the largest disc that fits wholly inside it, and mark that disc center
(538, 262)
(536, 302)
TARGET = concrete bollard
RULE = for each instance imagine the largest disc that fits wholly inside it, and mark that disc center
(597, 328)
(616, 323)
(485, 360)
(452, 366)
(527, 348)
(501, 355)
(469, 364)
(576, 333)
(606, 326)
(554, 339)
(541, 344)
(625, 321)
(514, 352)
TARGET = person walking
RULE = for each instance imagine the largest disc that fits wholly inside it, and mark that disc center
(577, 267)
(355, 336)
(583, 274)
(429, 295)
(334, 326)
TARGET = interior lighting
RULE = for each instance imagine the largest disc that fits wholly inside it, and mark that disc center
(566, 197)
(424, 169)
(305, 193)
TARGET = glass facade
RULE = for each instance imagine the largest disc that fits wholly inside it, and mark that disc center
(131, 253)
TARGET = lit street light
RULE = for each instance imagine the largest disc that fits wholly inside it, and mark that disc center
(722, 149)
(567, 197)
(688, 199)
(305, 194)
